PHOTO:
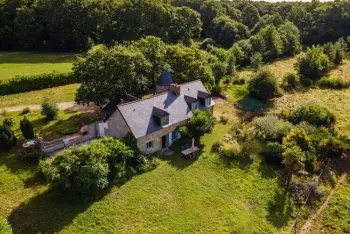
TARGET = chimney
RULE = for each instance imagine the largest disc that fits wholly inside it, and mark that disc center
(175, 88)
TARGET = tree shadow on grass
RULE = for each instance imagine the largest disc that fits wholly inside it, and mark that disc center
(48, 212)
(280, 209)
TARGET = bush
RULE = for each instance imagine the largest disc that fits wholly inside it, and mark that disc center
(229, 147)
(88, 170)
(27, 128)
(33, 156)
(270, 127)
(5, 227)
(36, 82)
(331, 147)
(264, 85)
(7, 138)
(313, 114)
(223, 119)
(8, 122)
(312, 65)
(290, 81)
(49, 109)
(25, 111)
(256, 60)
(333, 83)
(216, 90)
(273, 153)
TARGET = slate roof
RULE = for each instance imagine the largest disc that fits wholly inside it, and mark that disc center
(166, 79)
(139, 114)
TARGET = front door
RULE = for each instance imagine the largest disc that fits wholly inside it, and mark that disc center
(164, 142)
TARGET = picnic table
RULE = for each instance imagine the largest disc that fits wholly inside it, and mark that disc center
(191, 152)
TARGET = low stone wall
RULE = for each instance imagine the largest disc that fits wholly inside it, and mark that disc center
(71, 140)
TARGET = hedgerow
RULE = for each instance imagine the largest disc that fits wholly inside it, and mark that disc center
(29, 83)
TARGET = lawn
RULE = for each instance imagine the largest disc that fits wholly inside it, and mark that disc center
(179, 196)
(14, 64)
(336, 218)
(64, 93)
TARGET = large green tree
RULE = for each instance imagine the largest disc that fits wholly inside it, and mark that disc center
(104, 73)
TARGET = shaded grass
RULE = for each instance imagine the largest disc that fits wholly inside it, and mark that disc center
(64, 93)
(14, 64)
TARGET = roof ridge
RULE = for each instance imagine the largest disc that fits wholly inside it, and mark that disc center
(157, 95)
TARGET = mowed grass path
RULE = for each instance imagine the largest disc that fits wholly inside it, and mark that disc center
(179, 196)
(14, 64)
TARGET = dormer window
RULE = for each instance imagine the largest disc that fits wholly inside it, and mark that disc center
(160, 116)
(164, 120)
(204, 98)
(191, 102)
(194, 106)
(208, 101)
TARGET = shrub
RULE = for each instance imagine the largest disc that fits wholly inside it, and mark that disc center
(256, 60)
(270, 127)
(8, 122)
(33, 156)
(200, 123)
(333, 83)
(216, 90)
(264, 85)
(49, 109)
(313, 114)
(331, 147)
(5, 227)
(290, 81)
(273, 153)
(25, 111)
(7, 138)
(27, 128)
(229, 147)
(223, 119)
(36, 82)
(88, 170)
(313, 64)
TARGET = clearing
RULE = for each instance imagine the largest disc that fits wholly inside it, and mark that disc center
(14, 64)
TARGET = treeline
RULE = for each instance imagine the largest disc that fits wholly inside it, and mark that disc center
(67, 25)
(318, 22)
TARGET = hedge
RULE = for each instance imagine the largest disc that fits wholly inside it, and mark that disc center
(29, 83)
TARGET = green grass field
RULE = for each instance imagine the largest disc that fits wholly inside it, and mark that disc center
(14, 64)
(64, 93)
(179, 196)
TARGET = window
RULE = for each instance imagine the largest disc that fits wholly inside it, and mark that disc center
(149, 145)
(207, 101)
(164, 120)
(173, 135)
(194, 106)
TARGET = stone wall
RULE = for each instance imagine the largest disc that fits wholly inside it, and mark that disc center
(117, 126)
(156, 137)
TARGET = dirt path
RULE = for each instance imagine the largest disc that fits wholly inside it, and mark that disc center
(62, 105)
(307, 228)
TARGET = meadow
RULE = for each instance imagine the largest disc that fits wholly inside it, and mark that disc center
(14, 64)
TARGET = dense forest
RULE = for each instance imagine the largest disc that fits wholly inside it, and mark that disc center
(76, 25)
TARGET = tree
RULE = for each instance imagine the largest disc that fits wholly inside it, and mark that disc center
(250, 16)
(219, 70)
(313, 64)
(264, 85)
(105, 73)
(90, 169)
(49, 109)
(27, 128)
(200, 123)
(256, 60)
(154, 51)
(7, 138)
(189, 63)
